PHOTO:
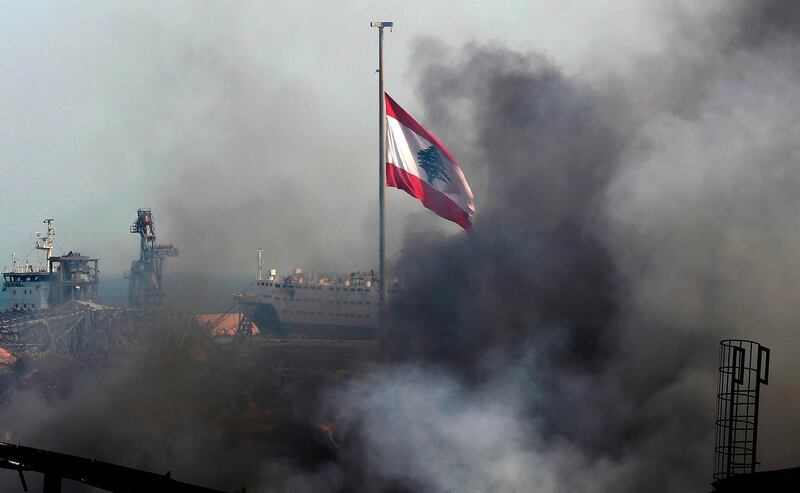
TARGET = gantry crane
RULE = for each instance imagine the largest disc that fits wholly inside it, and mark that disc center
(144, 287)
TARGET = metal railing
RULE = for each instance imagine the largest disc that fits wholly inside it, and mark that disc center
(743, 368)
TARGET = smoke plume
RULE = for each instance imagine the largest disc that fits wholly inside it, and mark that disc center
(625, 225)
(627, 220)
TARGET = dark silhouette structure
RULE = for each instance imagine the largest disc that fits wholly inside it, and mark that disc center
(743, 368)
(104, 475)
(780, 481)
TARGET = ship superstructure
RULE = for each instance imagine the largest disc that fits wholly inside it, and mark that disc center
(53, 282)
(332, 305)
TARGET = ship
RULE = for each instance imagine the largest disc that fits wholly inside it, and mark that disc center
(51, 282)
(326, 306)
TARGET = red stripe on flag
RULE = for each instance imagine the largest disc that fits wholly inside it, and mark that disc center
(431, 198)
(395, 111)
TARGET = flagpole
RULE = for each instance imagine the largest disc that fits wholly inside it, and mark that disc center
(382, 177)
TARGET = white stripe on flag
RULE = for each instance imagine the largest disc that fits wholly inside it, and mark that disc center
(402, 146)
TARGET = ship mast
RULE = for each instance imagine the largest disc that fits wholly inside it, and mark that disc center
(382, 175)
(260, 260)
(46, 243)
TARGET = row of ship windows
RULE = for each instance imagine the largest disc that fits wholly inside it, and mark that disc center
(24, 305)
(305, 286)
(320, 301)
(300, 312)
(301, 286)
(297, 286)
(25, 291)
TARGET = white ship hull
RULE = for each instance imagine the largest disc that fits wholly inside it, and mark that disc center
(315, 310)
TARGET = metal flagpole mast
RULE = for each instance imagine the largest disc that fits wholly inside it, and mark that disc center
(382, 167)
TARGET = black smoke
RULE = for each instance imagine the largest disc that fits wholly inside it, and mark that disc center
(546, 147)
(625, 224)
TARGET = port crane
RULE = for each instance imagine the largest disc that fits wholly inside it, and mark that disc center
(144, 280)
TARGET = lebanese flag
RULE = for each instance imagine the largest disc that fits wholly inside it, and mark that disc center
(422, 166)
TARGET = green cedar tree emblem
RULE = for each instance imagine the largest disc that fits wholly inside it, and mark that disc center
(430, 160)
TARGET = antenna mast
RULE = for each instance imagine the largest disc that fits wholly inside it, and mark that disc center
(46, 242)
(260, 252)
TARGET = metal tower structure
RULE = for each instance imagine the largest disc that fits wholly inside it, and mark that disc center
(743, 367)
(144, 281)
(45, 243)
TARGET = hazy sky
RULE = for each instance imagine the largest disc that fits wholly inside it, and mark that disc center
(244, 120)
(635, 163)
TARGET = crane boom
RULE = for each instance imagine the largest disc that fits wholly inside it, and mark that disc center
(144, 287)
